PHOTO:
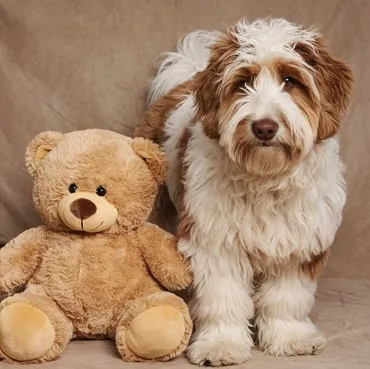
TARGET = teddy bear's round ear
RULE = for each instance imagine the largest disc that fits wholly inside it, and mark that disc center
(153, 156)
(39, 147)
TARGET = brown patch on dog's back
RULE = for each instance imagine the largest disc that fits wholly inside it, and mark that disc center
(181, 147)
(152, 124)
(152, 127)
(186, 221)
(185, 226)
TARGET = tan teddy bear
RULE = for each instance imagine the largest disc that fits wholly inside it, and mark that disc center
(96, 269)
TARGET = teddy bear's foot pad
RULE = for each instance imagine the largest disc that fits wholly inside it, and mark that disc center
(26, 332)
(156, 332)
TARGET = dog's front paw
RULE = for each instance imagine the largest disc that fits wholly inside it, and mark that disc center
(217, 353)
(301, 338)
(312, 345)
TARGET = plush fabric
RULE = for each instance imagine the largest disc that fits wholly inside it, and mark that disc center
(96, 269)
(69, 65)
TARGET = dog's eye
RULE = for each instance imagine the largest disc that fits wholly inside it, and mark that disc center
(248, 81)
(72, 188)
(290, 82)
(101, 191)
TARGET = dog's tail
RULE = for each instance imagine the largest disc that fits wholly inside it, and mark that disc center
(177, 67)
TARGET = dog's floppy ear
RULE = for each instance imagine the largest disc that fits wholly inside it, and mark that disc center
(206, 84)
(39, 147)
(334, 80)
(153, 156)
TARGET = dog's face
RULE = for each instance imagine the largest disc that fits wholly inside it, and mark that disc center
(270, 92)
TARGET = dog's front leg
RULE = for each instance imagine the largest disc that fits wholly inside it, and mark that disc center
(283, 304)
(221, 305)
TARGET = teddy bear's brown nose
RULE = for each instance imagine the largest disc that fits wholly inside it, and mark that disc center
(83, 208)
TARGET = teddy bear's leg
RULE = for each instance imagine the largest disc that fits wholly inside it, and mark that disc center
(154, 327)
(32, 327)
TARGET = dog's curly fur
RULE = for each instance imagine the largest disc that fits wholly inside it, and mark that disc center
(256, 219)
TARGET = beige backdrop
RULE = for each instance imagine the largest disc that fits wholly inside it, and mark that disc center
(67, 65)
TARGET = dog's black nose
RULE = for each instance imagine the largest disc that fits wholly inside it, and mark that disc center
(264, 129)
(83, 208)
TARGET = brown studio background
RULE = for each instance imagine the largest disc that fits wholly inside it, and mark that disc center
(68, 65)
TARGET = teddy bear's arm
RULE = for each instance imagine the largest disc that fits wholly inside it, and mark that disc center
(164, 260)
(19, 259)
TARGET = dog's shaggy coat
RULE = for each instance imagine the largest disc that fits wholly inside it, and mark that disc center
(257, 217)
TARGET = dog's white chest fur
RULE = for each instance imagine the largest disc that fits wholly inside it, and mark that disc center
(297, 214)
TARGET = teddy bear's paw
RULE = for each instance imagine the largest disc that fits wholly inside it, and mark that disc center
(156, 332)
(180, 279)
(217, 353)
(26, 332)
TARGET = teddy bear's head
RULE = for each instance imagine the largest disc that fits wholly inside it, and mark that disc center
(94, 180)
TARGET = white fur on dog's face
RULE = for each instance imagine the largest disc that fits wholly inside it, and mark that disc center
(271, 70)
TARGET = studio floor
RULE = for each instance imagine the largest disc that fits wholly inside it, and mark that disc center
(342, 311)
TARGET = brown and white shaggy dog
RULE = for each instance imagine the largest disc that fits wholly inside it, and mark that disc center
(248, 119)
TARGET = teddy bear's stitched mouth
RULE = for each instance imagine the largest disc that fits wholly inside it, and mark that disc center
(82, 228)
(91, 230)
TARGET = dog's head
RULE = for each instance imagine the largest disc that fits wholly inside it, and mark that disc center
(271, 91)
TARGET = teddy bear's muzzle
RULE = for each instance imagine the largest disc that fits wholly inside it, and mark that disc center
(87, 212)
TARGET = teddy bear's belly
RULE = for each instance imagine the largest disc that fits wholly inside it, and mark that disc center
(92, 283)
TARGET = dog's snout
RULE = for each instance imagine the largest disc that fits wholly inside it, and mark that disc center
(264, 129)
(83, 208)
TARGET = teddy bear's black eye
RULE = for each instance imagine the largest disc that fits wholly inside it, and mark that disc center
(72, 188)
(101, 191)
